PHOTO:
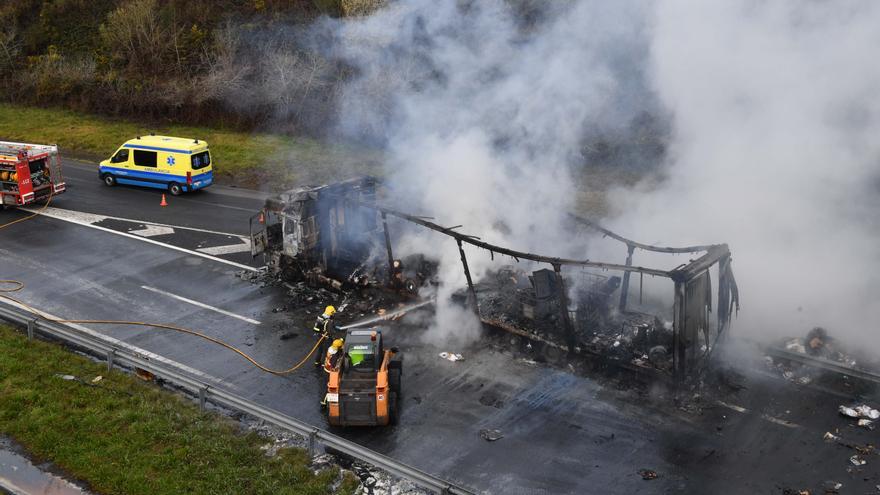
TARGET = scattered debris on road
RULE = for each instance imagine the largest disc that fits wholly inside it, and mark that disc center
(857, 461)
(832, 486)
(862, 411)
(451, 357)
(648, 474)
(830, 437)
(491, 435)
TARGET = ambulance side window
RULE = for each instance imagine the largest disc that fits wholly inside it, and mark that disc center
(145, 158)
(121, 156)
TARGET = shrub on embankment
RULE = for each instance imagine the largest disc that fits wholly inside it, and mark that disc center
(167, 60)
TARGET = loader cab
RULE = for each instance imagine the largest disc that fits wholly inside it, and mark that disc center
(364, 391)
(363, 351)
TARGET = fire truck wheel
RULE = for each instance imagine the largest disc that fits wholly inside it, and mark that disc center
(109, 180)
(175, 189)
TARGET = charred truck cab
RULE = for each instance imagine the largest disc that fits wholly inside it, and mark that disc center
(315, 234)
(324, 235)
(364, 390)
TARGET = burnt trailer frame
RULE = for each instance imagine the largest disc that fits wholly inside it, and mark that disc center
(321, 226)
(692, 286)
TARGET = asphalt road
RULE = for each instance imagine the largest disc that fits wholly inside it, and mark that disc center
(115, 253)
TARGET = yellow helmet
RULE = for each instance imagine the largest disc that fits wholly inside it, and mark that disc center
(329, 311)
(337, 343)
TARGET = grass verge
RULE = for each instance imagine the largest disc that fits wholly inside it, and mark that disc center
(263, 161)
(122, 435)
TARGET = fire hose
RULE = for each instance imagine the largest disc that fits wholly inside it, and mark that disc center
(16, 285)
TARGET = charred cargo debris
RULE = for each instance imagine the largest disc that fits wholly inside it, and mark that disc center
(338, 236)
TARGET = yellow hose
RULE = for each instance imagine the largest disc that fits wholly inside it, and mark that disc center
(17, 285)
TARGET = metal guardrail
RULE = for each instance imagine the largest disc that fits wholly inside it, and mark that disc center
(822, 363)
(206, 393)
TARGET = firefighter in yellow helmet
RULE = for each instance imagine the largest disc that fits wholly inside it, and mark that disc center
(325, 326)
(333, 355)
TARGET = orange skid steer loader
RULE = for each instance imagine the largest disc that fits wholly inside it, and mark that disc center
(364, 388)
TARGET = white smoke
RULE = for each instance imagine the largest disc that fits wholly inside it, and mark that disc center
(776, 150)
(775, 113)
(484, 116)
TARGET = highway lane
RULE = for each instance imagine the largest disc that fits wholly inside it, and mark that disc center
(218, 207)
(563, 433)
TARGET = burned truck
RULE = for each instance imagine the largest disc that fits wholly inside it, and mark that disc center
(338, 235)
(324, 235)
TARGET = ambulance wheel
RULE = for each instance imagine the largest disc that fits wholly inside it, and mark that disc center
(175, 189)
(109, 180)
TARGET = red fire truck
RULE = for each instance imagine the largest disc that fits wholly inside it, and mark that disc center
(28, 173)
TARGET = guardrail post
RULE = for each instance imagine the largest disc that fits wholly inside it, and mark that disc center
(110, 354)
(313, 436)
(203, 397)
(31, 326)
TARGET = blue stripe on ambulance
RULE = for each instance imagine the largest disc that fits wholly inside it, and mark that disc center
(157, 179)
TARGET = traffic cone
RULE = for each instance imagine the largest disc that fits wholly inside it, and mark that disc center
(163, 203)
(262, 218)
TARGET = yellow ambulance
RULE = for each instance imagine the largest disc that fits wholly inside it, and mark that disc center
(172, 163)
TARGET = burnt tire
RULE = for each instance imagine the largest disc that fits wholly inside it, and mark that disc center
(109, 180)
(175, 189)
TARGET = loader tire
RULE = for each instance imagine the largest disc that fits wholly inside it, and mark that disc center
(393, 409)
(394, 375)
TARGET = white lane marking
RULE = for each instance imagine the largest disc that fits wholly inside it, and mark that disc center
(150, 356)
(78, 218)
(230, 249)
(781, 422)
(765, 417)
(152, 231)
(95, 218)
(734, 407)
(201, 305)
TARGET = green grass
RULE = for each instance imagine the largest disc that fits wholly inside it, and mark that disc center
(265, 161)
(125, 436)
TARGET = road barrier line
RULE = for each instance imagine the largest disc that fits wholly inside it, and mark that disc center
(200, 305)
(125, 358)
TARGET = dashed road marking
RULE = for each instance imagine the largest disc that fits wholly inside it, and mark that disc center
(199, 304)
(765, 417)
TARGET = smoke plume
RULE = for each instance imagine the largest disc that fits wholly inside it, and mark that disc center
(773, 112)
(776, 118)
(483, 110)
